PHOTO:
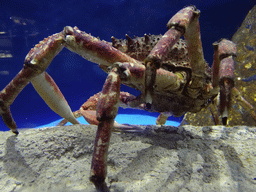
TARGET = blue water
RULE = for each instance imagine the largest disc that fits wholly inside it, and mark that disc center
(123, 119)
(25, 23)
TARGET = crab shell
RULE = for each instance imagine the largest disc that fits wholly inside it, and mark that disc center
(177, 59)
(139, 48)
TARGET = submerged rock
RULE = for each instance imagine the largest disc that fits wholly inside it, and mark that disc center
(160, 158)
(245, 81)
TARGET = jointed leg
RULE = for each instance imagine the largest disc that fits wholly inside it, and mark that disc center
(185, 22)
(236, 95)
(88, 111)
(36, 62)
(223, 74)
(39, 58)
(162, 118)
(50, 93)
(214, 111)
(106, 112)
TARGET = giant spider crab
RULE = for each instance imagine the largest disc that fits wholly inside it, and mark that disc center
(170, 72)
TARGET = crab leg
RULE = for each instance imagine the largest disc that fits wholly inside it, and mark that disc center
(133, 74)
(88, 111)
(162, 118)
(92, 49)
(9, 93)
(195, 49)
(50, 93)
(214, 110)
(185, 22)
(106, 112)
(36, 62)
(245, 104)
(39, 58)
(223, 74)
(224, 49)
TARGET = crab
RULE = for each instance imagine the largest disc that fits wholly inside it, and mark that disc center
(170, 72)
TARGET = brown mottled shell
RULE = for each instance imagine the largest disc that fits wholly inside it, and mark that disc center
(140, 47)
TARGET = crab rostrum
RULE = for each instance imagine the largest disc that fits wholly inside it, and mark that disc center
(170, 72)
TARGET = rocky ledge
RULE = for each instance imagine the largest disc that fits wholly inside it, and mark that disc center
(159, 158)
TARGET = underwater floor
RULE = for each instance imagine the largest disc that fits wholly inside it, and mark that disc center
(122, 118)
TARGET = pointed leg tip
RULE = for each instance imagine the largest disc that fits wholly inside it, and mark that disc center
(148, 106)
(224, 120)
(99, 183)
(15, 132)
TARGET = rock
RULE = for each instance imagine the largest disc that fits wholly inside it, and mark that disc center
(245, 81)
(160, 158)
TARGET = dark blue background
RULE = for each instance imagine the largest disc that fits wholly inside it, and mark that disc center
(77, 78)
